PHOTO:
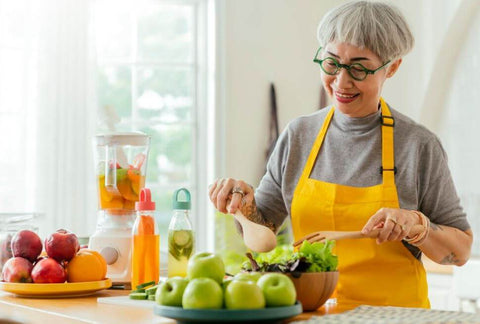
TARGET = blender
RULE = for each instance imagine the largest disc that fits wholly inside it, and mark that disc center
(121, 166)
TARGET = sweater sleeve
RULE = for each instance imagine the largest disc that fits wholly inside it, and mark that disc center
(438, 198)
(269, 195)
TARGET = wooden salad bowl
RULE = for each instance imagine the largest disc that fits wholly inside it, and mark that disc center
(314, 288)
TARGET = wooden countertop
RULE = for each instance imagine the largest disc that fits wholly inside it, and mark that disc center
(87, 310)
(74, 310)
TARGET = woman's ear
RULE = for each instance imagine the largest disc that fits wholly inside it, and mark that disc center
(392, 68)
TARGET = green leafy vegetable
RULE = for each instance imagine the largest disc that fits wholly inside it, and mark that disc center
(319, 255)
(310, 257)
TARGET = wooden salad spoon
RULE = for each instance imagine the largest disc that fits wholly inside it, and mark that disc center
(256, 237)
(341, 235)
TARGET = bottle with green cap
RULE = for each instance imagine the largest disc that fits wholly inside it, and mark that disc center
(181, 239)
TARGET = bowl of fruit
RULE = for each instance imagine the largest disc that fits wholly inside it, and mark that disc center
(312, 269)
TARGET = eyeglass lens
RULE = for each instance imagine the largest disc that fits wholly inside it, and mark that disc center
(330, 66)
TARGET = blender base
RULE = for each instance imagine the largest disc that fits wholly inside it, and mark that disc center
(115, 246)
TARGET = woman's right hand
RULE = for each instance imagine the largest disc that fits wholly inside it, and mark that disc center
(228, 195)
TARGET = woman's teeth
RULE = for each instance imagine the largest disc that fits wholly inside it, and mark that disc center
(345, 96)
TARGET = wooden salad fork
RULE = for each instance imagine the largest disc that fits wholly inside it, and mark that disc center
(321, 236)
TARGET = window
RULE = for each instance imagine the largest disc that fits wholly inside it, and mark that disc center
(149, 79)
(65, 66)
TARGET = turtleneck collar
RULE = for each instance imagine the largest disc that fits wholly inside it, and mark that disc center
(356, 125)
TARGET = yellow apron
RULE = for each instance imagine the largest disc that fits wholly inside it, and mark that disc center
(385, 274)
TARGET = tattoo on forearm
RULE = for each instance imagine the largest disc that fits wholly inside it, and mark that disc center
(255, 216)
(450, 259)
(435, 227)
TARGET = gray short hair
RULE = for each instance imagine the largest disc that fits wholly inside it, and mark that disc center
(377, 26)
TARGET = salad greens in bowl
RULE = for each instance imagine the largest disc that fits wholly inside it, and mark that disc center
(313, 269)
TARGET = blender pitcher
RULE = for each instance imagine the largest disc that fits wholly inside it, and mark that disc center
(120, 167)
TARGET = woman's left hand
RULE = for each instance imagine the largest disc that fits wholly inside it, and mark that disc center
(394, 224)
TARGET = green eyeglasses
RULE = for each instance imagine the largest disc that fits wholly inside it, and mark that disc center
(357, 71)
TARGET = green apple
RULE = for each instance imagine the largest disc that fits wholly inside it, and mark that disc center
(244, 295)
(206, 265)
(202, 293)
(226, 282)
(278, 289)
(248, 276)
(170, 292)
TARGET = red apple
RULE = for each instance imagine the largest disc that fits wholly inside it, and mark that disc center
(5, 249)
(62, 245)
(48, 271)
(17, 269)
(41, 257)
(26, 244)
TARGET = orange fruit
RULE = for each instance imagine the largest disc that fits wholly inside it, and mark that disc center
(101, 258)
(87, 265)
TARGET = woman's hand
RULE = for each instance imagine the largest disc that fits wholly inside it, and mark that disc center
(395, 224)
(228, 195)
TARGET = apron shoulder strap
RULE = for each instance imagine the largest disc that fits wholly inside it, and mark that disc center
(307, 170)
(388, 168)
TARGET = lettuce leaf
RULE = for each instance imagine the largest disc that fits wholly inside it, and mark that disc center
(280, 254)
(319, 255)
(310, 257)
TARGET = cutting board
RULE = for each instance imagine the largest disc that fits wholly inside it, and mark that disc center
(126, 301)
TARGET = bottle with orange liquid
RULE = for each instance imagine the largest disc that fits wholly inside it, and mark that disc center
(146, 242)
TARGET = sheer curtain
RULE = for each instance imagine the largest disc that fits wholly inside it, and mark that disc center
(65, 116)
(50, 143)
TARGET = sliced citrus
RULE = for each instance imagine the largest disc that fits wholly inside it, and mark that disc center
(105, 195)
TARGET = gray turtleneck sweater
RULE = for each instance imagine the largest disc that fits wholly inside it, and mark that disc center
(352, 155)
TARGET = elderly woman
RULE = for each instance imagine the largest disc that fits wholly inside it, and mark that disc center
(362, 165)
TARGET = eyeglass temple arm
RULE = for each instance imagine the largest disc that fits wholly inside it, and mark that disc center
(381, 67)
(316, 54)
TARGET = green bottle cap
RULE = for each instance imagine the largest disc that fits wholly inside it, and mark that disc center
(184, 201)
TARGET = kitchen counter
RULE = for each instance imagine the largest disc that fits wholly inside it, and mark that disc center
(87, 310)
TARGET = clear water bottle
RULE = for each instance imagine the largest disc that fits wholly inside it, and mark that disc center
(146, 242)
(181, 238)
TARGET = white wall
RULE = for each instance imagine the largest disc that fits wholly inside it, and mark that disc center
(266, 41)
(263, 41)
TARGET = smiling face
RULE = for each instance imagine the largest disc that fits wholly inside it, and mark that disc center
(356, 98)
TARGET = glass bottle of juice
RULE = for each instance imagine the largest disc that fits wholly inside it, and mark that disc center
(146, 242)
(181, 240)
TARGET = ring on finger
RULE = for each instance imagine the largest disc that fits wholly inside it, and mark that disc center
(393, 220)
(402, 226)
(238, 190)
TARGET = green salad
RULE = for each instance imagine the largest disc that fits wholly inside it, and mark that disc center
(310, 257)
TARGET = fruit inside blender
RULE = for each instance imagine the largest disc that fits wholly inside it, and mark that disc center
(129, 182)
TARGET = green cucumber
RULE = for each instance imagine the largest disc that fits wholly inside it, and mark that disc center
(139, 296)
(146, 284)
(151, 297)
(141, 290)
(181, 238)
(151, 290)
